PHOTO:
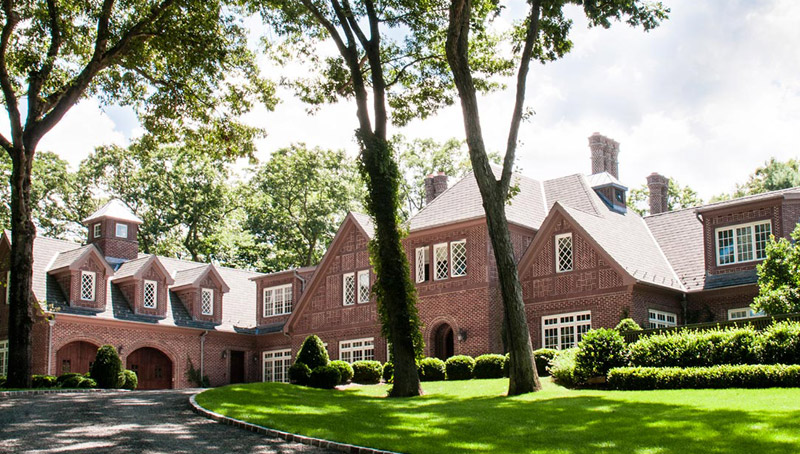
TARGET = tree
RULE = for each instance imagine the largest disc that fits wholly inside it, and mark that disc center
(299, 198)
(167, 58)
(542, 36)
(778, 277)
(772, 176)
(678, 197)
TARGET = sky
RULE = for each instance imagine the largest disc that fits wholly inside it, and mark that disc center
(706, 98)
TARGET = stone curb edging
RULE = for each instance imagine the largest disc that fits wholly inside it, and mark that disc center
(34, 392)
(311, 441)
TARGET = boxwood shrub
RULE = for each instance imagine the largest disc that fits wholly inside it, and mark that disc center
(44, 381)
(543, 357)
(688, 348)
(367, 372)
(129, 380)
(431, 369)
(324, 377)
(489, 366)
(299, 374)
(599, 351)
(106, 368)
(388, 372)
(779, 343)
(313, 353)
(724, 376)
(627, 324)
(562, 369)
(345, 371)
(77, 381)
(64, 377)
(459, 367)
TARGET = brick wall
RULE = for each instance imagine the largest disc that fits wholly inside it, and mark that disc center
(275, 280)
(123, 248)
(713, 305)
(733, 216)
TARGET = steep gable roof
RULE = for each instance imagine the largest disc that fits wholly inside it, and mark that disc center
(680, 235)
(134, 269)
(364, 222)
(115, 209)
(72, 258)
(192, 278)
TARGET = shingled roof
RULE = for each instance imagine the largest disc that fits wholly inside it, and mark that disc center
(680, 235)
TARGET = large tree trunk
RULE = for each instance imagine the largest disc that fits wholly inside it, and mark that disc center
(21, 314)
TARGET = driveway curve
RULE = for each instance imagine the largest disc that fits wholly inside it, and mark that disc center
(124, 422)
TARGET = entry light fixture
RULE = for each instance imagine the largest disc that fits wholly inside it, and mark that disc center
(462, 335)
(224, 354)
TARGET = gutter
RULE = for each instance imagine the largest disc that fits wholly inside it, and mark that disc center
(50, 322)
(203, 352)
(302, 281)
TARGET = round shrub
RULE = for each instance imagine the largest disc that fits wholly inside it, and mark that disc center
(599, 351)
(44, 381)
(129, 380)
(489, 366)
(299, 374)
(431, 369)
(388, 372)
(78, 381)
(543, 357)
(780, 343)
(345, 371)
(324, 377)
(313, 353)
(627, 324)
(87, 383)
(64, 377)
(106, 368)
(459, 367)
(562, 368)
(367, 372)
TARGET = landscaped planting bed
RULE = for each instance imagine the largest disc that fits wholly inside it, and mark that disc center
(474, 416)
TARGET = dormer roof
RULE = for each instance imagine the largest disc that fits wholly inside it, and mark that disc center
(603, 179)
(134, 269)
(114, 209)
(73, 258)
(194, 276)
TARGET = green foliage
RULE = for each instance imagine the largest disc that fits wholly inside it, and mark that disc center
(388, 372)
(76, 381)
(724, 376)
(459, 367)
(313, 353)
(64, 377)
(44, 381)
(2, 381)
(325, 377)
(87, 383)
(367, 372)
(779, 343)
(431, 369)
(345, 371)
(129, 380)
(688, 348)
(679, 197)
(193, 375)
(106, 367)
(489, 366)
(772, 176)
(627, 324)
(563, 369)
(779, 277)
(600, 350)
(543, 357)
(299, 374)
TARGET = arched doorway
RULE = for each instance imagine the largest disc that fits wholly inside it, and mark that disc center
(153, 368)
(76, 356)
(443, 341)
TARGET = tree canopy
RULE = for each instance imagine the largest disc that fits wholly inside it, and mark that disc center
(779, 277)
(772, 176)
(679, 197)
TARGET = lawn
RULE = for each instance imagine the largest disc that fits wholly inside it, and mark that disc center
(473, 416)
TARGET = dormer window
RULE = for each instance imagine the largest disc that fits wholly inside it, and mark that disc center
(207, 301)
(88, 279)
(564, 252)
(122, 230)
(96, 230)
(278, 300)
(742, 243)
(149, 297)
(619, 194)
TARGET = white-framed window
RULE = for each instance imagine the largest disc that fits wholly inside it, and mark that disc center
(122, 230)
(348, 289)
(423, 264)
(8, 287)
(743, 313)
(96, 230)
(564, 331)
(4, 358)
(742, 243)
(458, 256)
(563, 252)
(363, 287)
(88, 280)
(661, 319)
(276, 365)
(207, 301)
(150, 294)
(278, 300)
(357, 350)
(440, 261)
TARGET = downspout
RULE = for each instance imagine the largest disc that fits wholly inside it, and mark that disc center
(685, 307)
(202, 353)
(50, 322)
(302, 281)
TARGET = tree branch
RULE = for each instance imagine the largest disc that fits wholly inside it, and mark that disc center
(348, 13)
(408, 65)
(37, 77)
(12, 19)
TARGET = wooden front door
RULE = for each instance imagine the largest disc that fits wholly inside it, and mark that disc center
(76, 356)
(237, 367)
(443, 342)
(153, 368)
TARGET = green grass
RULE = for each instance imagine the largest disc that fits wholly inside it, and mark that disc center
(473, 416)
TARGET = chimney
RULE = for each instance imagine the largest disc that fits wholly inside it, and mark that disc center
(435, 185)
(659, 190)
(604, 154)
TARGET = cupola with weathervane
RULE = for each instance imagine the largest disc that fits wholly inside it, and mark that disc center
(114, 230)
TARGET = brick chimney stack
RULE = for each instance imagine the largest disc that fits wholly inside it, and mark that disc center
(605, 152)
(435, 185)
(659, 193)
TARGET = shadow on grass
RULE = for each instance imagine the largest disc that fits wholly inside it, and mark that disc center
(552, 421)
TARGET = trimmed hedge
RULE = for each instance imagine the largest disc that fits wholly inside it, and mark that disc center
(779, 344)
(696, 348)
(78, 381)
(388, 372)
(64, 377)
(489, 366)
(299, 374)
(599, 351)
(459, 367)
(345, 371)
(543, 357)
(367, 372)
(44, 381)
(324, 377)
(431, 369)
(725, 376)
(129, 380)
(106, 368)
(313, 353)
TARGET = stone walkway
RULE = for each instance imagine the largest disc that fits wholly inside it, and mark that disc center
(124, 422)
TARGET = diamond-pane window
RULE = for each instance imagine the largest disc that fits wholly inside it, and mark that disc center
(458, 252)
(150, 291)
(207, 301)
(87, 285)
(440, 260)
(363, 287)
(348, 289)
(423, 263)
(564, 252)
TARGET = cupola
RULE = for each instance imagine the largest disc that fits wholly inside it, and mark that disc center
(114, 230)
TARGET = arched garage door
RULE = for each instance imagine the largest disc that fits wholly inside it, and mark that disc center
(153, 368)
(75, 357)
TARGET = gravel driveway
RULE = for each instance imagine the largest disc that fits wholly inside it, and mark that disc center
(132, 422)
